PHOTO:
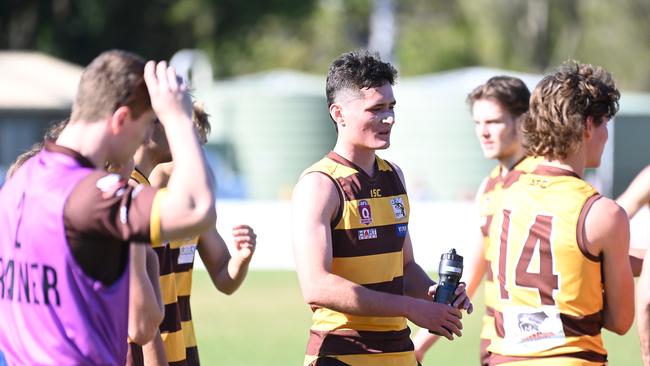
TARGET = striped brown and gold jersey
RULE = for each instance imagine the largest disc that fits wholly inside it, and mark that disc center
(176, 262)
(367, 238)
(549, 293)
(488, 203)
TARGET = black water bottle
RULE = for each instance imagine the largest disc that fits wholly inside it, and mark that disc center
(450, 270)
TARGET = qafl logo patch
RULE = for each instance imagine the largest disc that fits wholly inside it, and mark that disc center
(364, 212)
(398, 208)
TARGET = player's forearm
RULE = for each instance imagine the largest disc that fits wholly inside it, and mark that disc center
(153, 273)
(643, 325)
(191, 185)
(416, 281)
(336, 293)
(154, 352)
(232, 275)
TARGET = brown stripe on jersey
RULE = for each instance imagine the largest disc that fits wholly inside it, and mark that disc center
(164, 259)
(489, 311)
(511, 178)
(582, 325)
(184, 308)
(192, 356)
(489, 275)
(496, 359)
(484, 354)
(485, 229)
(178, 267)
(353, 342)
(553, 171)
(346, 243)
(580, 228)
(491, 183)
(396, 286)
(573, 326)
(172, 321)
(354, 189)
(498, 324)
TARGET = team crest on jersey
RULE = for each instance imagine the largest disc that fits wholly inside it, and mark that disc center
(364, 212)
(401, 229)
(398, 208)
(365, 234)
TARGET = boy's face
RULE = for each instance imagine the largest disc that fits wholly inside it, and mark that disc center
(368, 117)
(496, 129)
(596, 144)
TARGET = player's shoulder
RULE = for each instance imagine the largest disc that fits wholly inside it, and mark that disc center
(606, 219)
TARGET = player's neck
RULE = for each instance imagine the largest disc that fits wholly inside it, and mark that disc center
(143, 163)
(363, 158)
(87, 139)
(508, 163)
(574, 163)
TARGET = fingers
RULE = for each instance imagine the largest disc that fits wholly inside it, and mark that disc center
(150, 77)
(432, 290)
(161, 74)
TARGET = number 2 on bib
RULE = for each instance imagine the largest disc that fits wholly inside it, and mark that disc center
(545, 281)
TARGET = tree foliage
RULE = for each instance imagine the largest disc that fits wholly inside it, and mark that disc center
(252, 35)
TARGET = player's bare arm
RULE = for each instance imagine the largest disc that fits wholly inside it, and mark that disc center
(188, 206)
(227, 272)
(607, 231)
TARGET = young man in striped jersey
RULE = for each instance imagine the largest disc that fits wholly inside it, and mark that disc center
(497, 108)
(352, 248)
(177, 341)
(563, 271)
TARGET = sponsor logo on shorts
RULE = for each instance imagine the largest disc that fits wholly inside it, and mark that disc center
(365, 234)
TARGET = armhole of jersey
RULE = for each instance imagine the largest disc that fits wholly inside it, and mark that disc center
(154, 223)
(580, 229)
(339, 211)
(399, 179)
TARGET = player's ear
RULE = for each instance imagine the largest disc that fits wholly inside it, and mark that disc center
(336, 112)
(589, 127)
(119, 118)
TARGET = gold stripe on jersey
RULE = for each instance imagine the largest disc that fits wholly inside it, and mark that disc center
(154, 223)
(188, 333)
(380, 359)
(174, 344)
(367, 249)
(183, 283)
(382, 212)
(326, 319)
(387, 265)
(137, 176)
(548, 283)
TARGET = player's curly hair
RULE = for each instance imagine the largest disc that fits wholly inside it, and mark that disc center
(560, 105)
(356, 70)
(201, 122)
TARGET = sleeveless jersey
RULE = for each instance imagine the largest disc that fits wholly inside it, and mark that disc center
(367, 247)
(51, 311)
(176, 261)
(488, 203)
(548, 286)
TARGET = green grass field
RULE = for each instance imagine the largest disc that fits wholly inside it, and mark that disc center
(266, 323)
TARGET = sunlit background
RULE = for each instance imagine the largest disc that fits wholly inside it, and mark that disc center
(259, 67)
